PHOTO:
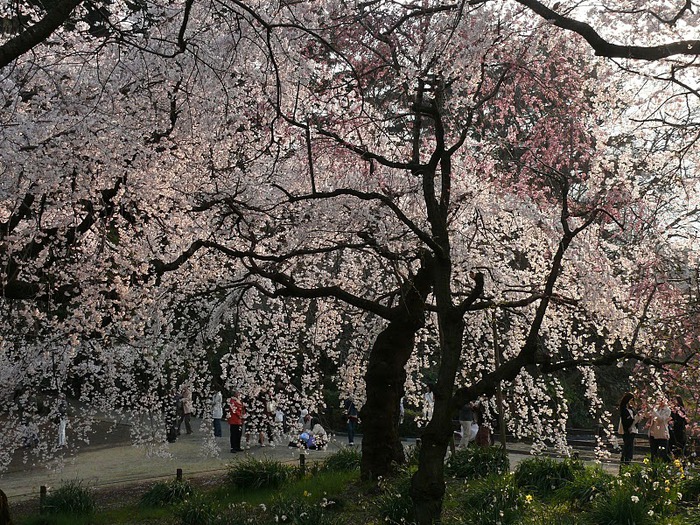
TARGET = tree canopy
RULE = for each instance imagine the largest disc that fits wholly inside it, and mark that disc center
(227, 192)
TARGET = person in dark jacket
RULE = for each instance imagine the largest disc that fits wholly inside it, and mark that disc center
(466, 421)
(679, 420)
(351, 416)
(627, 427)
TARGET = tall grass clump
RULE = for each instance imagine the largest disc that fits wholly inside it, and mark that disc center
(254, 473)
(588, 484)
(394, 505)
(538, 514)
(197, 510)
(542, 477)
(412, 453)
(301, 511)
(490, 500)
(690, 488)
(345, 460)
(70, 498)
(477, 462)
(166, 493)
(622, 505)
(657, 483)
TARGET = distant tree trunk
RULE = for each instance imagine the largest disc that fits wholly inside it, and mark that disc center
(385, 377)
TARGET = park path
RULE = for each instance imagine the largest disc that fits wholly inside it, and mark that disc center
(122, 463)
(115, 462)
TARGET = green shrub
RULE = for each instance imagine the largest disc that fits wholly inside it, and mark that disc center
(166, 493)
(254, 473)
(693, 516)
(197, 510)
(587, 484)
(477, 462)
(71, 498)
(494, 499)
(622, 505)
(347, 459)
(543, 476)
(656, 482)
(690, 488)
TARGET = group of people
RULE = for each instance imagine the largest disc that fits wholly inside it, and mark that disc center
(267, 420)
(666, 423)
(473, 427)
(307, 432)
(180, 412)
(260, 418)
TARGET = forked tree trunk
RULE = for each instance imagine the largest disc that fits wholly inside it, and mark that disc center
(385, 377)
(428, 483)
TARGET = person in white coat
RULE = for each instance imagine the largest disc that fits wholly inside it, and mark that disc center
(658, 431)
(217, 412)
(62, 420)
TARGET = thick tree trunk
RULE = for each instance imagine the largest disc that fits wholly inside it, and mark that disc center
(428, 483)
(385, 377)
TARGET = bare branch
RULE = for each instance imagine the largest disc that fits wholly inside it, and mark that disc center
(367, 196)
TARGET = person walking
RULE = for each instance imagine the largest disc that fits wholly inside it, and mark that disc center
(62, 419)
(217, 412)
(187, 409)
(483, 436)
(428, 402)
(466, 420)
(236, 416)
(352, 418)
(628, 427)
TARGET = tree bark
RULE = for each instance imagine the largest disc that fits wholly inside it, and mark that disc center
(385, 377)
(36, 34)
(428, 483)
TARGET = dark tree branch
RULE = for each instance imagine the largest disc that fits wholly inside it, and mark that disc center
(36, 34)
(290, 289)
(473, 295)
(368, 196)
(607, 49)
(549, 367)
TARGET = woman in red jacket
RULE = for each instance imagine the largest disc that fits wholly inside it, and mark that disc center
(236, 415)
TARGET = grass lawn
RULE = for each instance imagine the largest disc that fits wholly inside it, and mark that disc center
(481, 490)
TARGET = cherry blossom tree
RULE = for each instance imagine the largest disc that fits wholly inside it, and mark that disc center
(445, 183)
(520, 151)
